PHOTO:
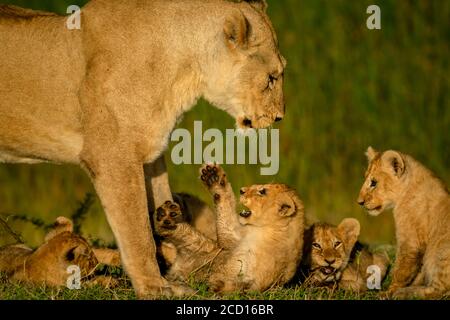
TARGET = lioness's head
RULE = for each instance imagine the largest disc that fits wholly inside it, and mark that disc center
(383, 182)
(270, 204)
(245, 77)
(328, 248)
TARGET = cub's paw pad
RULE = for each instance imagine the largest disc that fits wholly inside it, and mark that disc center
(213, 175)
(167, 217)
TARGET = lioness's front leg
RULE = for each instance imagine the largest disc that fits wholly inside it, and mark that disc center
(119, 182)
(157, 183)
(215, 179)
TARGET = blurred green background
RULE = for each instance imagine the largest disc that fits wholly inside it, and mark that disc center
(346, 88)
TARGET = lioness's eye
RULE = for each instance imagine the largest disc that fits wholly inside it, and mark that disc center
(316, 245)
(271, 82)
(373, 183)
(262, 192)
(337, 244)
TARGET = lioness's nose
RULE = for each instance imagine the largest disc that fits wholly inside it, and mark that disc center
(278, 119)
(361, 202)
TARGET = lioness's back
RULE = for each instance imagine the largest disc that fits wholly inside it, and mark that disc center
(40, 76)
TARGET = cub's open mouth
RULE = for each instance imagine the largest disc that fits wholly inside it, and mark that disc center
(375, 209)
(247, 123)
(327, 270)
(245, 213)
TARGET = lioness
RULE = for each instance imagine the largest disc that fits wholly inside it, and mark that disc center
(421, 204)
(107, 96)
(49, 263)
(255, 250)
(333, 256)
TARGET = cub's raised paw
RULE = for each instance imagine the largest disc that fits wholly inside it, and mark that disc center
(213, 176)
(167, 217)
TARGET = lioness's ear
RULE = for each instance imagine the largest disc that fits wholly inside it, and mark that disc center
(61, 225)
(237, 31)
(371, 153)
(349, 230)
(258, 4)
(394, 161)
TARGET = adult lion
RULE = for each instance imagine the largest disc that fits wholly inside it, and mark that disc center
(107, 96)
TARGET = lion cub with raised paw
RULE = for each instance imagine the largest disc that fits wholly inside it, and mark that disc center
(256, 249)
(421, 205)
(49, 263)
(334, 257)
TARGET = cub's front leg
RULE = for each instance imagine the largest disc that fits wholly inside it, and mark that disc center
(228, 227)
(193, 248)
(170, 224)
(406, 267)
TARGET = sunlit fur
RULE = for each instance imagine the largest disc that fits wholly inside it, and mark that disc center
(421, 206)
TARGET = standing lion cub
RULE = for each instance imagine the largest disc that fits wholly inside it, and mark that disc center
(254, 250)
(421, 204)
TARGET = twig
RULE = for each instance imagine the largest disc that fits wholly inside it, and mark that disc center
(79, 215)
(15, 235)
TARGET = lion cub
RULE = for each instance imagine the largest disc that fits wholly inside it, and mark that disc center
(421, 204)
(254, 250)
(48, 264)
(333, 256)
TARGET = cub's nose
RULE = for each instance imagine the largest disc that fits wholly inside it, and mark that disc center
(242, 191)
(167, 222)
(361, 202)
(330, 261)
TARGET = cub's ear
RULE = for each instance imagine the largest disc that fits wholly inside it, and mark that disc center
(260, 5)
(287, 208)
(61, 225)
(394, 161)
(349, 230)
(371, 153)
(237, 31)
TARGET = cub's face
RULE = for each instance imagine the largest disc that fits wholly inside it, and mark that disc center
(50, 262)
(269, 204)
(383, 181)
(247, 74)
(328, 249)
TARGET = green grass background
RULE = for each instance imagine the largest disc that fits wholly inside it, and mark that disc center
(346, 88)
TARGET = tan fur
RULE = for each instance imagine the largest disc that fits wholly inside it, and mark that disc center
(332, 256)
(107, 96)
(193, 211)
(254, 251)
(421, 204)
(48, 264)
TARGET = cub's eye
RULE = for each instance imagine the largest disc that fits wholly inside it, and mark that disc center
(262, 192)
(316, 246)
(271, 82)
(337, 244)
(373, 183)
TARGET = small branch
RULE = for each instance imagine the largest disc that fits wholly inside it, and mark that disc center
(15, 235)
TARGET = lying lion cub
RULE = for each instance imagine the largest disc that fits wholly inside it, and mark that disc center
(48, 264)
(421, 204)
(255, 250)
(333, 256)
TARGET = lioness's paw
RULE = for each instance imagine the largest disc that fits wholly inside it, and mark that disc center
(213, 176)
(167, 217)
